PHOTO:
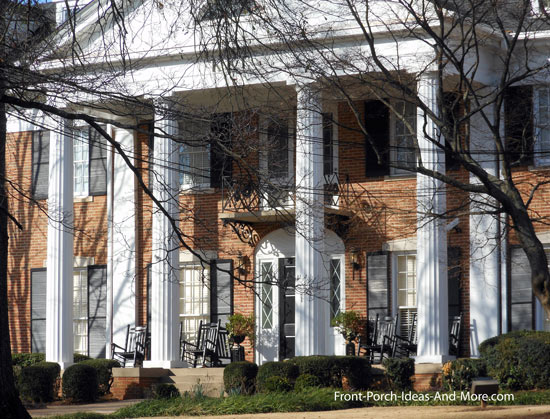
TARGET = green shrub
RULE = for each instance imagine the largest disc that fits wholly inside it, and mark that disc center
(306, 381)
(276, 384)
(37, 383)
(80, 383)
(240, 377)
(79, 358)
(331, 369)
(165, 391)
(399, 372)
(26, 359)
(104, 370)
(458, 374)
(286, 370)
(519, 360)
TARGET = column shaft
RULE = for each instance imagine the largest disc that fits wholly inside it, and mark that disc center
(311, 323)
(165, 269)
(431, 271)
(59, 288)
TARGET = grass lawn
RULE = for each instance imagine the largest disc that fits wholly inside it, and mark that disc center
(311, 400)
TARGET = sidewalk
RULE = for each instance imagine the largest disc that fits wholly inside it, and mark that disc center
(432, 412)
(100, 407)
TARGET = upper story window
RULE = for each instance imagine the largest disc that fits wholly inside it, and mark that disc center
(402, 140)
(204, 152)
(90, 163)
(278, 147)
(194, 154)
(81, 162)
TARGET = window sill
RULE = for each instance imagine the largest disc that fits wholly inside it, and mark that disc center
(540, 168)
(89, 198)
(196, 190)
(400, 177)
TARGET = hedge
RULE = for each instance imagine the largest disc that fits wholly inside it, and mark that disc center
(80, 383)
(240, 377)
(37, 383)
(286, 370)
(104, 370)
(399, 372)
(331, 369)
(458, 374)
(519, 360)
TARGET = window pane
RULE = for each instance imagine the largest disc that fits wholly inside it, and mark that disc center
(404, 153)
(267, 295)
(194, 156)
(406, 290)
(194, 299)
(335, 287)
(80, 311)
(81, 158)
(277, 149)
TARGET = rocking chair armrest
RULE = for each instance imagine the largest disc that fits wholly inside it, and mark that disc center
(115, 346)
(188, 346)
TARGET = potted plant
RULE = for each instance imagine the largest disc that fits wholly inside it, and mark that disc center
(348, 323)
(240, 327)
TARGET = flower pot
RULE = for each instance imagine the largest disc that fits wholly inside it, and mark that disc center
(238, 339)
(350, 348)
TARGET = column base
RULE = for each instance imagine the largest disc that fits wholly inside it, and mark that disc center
(433, 359)
(165, 364)
(65, 365)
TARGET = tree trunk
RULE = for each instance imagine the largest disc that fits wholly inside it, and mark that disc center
(10, 404)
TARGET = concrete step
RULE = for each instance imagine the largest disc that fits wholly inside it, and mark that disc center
(209, 381)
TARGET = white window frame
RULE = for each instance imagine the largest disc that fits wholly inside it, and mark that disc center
(195, 135)
(80, 296)
(542, 127)
(395, 282)
(394, 120)
(264, 156)
(202, 300)
(81, 166)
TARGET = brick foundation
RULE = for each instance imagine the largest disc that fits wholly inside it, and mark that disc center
(135, 383)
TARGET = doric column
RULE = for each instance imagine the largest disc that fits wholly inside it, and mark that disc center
(165, 270)
(59, 288)
(122, 239)
(484, 240)
(311, 314)
(431, 257)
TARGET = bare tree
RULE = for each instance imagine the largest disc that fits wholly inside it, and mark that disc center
(477, 53)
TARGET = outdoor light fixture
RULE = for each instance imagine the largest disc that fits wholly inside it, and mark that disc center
(243, 264)
(355, 263)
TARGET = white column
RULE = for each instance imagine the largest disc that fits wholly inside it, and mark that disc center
(122, 238)
(431, 257)
(165, 270)
(311, 282)
(59, 288)
(484, 241)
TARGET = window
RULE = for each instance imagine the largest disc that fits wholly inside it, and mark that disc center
(195, 154)
(335, 287)
(542, 126)
(454, 109)
(194, 299)
(81, 159)
(403, 149)
(377, 126)
(89, 310)
(405, 280)
(89, 160)
(518, 125)
(278, 149)
(328, 146)
(80, 311)
(267, 295)
(220, 9)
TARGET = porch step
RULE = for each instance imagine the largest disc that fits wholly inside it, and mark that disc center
(208, 380)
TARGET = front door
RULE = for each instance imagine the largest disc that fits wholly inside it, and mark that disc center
(287, 307)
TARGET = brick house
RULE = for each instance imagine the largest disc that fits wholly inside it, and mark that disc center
(324, 215)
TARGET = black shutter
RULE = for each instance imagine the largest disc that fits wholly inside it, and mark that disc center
(149, 266)
(521, 293)
(518, 125)
(97, 310)
(151, 155)
(328, 145)
(221, 291)
(98, 163)
(378, 284)
(452, 102)
(453, 277)
(220, 138)
(38, 310)
(377, 125)
(40, 164)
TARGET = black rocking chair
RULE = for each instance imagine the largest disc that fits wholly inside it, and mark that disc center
(454, 334)
(133, 352)
(205, 347)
